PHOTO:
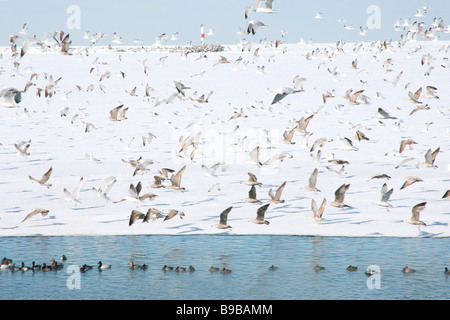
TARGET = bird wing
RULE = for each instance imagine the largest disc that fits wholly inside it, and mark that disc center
(77, 188)
(224, 215)
(176, 179)
(252, 193)
(269, 4)
(318, 212)
(403, 144)
(397, 78)
(157, 180)
(132, 191)
(416, 211)
(46, 175)
(340, 192)
(278, 97)
(417, 93)
(261, 211)
(428, 156)
(138, 188)
(107, 185)
(289, 135)
(434, 154)
(314, 208)
(179, 87)
(254, 154)
(384, 189)
(322, 207)
(313, 178)
(122, 113)
(356, 94)
(272, 195)
(385, 195)
(431, 90)
(279, 191)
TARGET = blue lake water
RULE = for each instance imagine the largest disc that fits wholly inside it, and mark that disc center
(248, 258)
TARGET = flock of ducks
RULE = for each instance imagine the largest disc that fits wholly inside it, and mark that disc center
(7, 264)
(188, 147)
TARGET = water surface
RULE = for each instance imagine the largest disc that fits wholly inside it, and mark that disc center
(249, 258)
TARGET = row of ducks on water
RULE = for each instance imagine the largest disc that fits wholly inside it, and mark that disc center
(7, 264)
(54, 265)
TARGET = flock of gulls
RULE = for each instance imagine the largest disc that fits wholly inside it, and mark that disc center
(305, 125)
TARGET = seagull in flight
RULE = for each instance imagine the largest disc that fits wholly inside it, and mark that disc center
(267, 8)
(43, 212)
(415, 218)
(318, 212)
(134, 194)
(260, 215)
(105, 188)
(339, 196)
(44, 179)
(253, 25)
(73, 196)
(12, 97)
(385, 195)
(223, 219)
(282, 93)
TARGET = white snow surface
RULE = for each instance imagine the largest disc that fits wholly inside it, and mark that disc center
(60, 141)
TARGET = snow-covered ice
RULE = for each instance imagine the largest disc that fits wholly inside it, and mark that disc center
(70, 132)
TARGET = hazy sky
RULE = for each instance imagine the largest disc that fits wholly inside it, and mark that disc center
(145, 20)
